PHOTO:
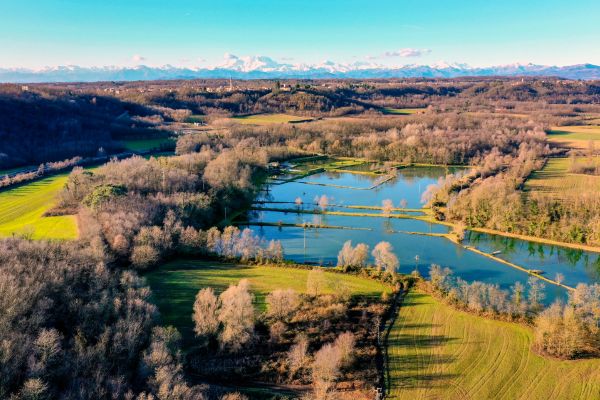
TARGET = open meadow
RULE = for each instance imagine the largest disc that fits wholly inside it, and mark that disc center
(577, 137)
(22, 210)
(436, 352)
(556, 179)
(267, 119)
(174, 285)
(403, 111)
(143, 145)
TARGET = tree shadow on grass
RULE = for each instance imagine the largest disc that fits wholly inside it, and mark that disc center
(419, 342)
(413, 361)
(428, 381)
(413, 300)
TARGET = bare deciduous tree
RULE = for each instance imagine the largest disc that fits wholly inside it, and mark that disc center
(276, 332)
(237, 316)
(325, 370)
(323, 202)
(206, 313)
(315, 282)
(345, 343)
(387, 207)
(298, 355)
(281, 303)
(536, 293)
(350, 256)
(384, 257)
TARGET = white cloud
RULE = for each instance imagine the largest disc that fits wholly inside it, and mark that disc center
(137, 58)
(405, 52)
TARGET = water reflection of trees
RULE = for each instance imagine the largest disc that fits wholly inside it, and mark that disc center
(571, 256)
(426, 172)
(593, 268)
(539, 251)
(496, 243)
(265, 193)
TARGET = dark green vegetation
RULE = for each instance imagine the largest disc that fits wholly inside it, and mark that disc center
(52, 123)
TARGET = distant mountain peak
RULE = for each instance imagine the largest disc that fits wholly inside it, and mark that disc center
(264, 67)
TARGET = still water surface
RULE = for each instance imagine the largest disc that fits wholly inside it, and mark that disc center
(320, 245)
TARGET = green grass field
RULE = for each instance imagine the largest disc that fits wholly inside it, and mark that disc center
(403, 111)
(22, 209)
(267, 119)
(142, 145)
(195, 118)
(576, 137)
(554, 178)
(174, 285)
(436, 352)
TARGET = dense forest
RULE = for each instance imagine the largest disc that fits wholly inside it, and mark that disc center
(51, 122)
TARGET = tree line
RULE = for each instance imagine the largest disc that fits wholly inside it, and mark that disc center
(565, 330)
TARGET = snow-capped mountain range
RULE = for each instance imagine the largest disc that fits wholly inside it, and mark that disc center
(263, 67)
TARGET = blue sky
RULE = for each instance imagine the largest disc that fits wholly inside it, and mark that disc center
(37, 33)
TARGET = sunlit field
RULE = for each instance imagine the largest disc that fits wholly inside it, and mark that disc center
(403, 111)
(174, 285)
(267, 119)
(436, 352)
(22, 209)
(577, 137)
(555, 178)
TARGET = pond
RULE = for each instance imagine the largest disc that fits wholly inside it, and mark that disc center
(321, 245)
(346, 188)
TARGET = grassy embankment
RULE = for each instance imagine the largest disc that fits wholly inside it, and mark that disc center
(267, 119)
(22, 209)
(437, 352)
(174, 285)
